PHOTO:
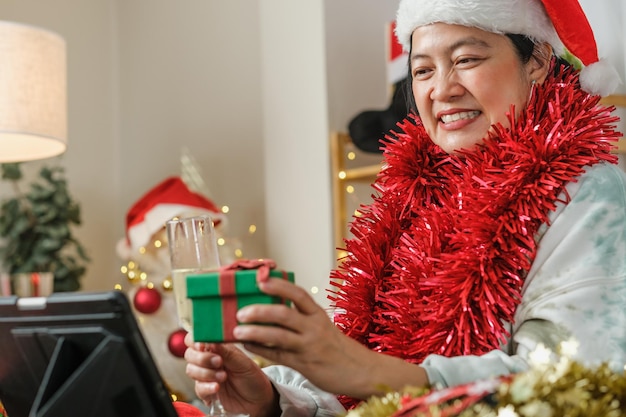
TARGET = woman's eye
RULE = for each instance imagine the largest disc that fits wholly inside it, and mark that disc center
(467, 60)
(421, 72)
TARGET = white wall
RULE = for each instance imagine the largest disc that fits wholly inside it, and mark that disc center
(190, 77)
(249, 87)
(91, 161)
(322, 63)
(295, 127)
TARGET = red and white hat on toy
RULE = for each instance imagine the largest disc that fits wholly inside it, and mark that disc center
(561, 23)
(168, 199)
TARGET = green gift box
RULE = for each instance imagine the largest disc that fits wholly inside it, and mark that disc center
(216, 297)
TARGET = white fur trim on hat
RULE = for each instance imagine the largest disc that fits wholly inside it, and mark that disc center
(522, 17)
(140, 233)
(561, 23)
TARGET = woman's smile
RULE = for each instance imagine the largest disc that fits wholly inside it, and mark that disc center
(458, 119)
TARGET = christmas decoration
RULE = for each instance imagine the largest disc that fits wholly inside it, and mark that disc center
(146, 269)
(3, 412)
(176, 343)
(147, 300)
(550, 388)
(437, 235)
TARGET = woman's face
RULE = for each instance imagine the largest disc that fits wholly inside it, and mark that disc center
(464, 80)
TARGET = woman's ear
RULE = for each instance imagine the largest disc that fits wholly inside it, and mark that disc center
(539, 64)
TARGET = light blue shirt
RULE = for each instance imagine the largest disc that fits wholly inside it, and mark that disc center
(575, 290)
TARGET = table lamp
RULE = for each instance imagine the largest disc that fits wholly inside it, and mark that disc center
(33, 97)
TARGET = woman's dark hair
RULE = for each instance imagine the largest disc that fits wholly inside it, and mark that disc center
(524, 46)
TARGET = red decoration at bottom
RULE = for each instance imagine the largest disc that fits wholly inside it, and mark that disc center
(187, 410)
(176, 343)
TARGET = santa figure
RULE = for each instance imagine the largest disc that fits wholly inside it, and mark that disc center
(146, 253)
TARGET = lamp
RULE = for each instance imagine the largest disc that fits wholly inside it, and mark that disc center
(33, 98)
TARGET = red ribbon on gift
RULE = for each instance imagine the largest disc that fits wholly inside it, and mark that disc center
(227, 287)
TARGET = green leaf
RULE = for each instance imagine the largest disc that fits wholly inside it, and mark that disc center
(11, 172)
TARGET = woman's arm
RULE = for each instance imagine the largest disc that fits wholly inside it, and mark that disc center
(304, 338)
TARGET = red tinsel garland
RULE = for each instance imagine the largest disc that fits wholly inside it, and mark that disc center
(438, 260)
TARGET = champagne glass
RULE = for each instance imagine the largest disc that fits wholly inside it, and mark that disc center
(193, 249)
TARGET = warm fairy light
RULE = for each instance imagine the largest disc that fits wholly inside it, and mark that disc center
(117, 287)
(252, 229)
(238, 253)
(342, 175)
(157, 243)
(132, 265)
(225, 209)
(350, 189)
(351, 156)
(150, 285)
(143, 276)
(221, 241)
(124, 269)
(131, 275)
(357, 213)
(167, 284)
(142, 250)
(314, 290)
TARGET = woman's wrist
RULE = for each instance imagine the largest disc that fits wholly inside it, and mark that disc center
(388, 372)
(271, 408)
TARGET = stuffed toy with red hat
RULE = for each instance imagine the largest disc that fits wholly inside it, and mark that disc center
(168, 199)
(146, 253)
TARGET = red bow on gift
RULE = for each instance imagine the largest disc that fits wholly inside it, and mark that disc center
(227, 286)
(262, 265)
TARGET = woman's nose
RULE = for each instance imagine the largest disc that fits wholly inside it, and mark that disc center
(446, 86)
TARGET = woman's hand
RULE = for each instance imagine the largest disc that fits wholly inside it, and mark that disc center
(305, 339)
(242, 385)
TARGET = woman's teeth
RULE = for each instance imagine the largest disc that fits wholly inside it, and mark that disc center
(449, 118)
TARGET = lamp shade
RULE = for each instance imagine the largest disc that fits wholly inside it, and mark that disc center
(33, 96)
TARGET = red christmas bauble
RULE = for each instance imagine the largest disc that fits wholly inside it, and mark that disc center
(176, 343)
(147, 300)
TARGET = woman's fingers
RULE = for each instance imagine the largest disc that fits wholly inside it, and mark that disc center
(302, 301)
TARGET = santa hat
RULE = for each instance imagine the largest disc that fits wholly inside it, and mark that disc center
(170, 198)
(561, 23)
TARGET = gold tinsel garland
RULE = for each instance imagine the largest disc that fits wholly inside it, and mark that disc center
(550, 388)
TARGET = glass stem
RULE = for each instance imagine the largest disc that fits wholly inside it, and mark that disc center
(216, 408)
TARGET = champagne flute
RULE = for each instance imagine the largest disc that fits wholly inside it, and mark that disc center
(193, 249)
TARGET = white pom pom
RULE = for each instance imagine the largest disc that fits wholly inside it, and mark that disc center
(123, 249)
(599, 78)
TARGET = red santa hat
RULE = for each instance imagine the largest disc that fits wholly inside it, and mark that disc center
(561, 23)
(168, 199)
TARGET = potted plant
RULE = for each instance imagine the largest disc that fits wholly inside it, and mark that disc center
(36, 226)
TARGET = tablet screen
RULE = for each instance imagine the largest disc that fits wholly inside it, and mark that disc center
(77, 354)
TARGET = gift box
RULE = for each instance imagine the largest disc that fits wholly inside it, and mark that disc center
(216, 296)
